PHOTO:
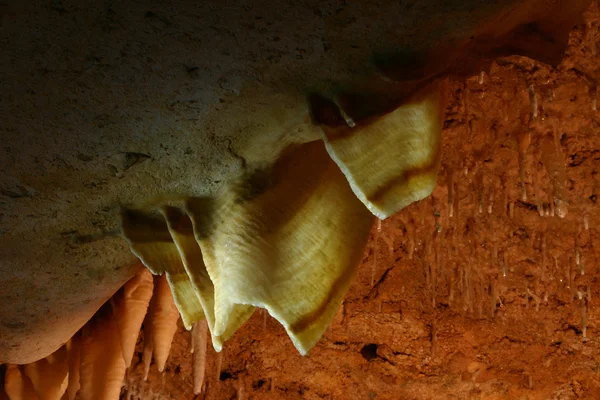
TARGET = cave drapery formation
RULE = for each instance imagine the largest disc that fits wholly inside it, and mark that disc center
(288, 236)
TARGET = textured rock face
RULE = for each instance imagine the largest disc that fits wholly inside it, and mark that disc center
(124, 103)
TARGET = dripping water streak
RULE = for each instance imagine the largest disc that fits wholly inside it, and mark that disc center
(199, 332)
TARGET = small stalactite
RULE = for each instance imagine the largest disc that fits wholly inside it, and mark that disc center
(536, 190)
(590, 37)
(240, 389)
(524, 142)
(586, 222)
(594, 95)
(511, 210)
(553, 160)
(533, 103)
(578, 262)
(583, 313)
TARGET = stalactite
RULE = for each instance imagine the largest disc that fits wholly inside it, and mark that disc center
(49, 375)
(74, 354)
(583, 313)
(131, 305)
(533, 103)
(164, 321)
(536, 190)
(17, 385)
(102, 366)
(200, 334)
(524, 141)
(554, 162)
